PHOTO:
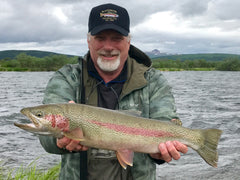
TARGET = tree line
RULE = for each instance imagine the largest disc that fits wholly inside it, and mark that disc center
(24, 62)
(229, 64)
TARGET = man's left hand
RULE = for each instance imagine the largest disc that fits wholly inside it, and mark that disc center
(170, 150)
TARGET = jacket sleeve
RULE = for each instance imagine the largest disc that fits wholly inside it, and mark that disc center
(161, 100)
(62, 87)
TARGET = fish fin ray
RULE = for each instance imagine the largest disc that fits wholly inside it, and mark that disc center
(209, 150)
(121, 162)
(76, 134)
(125, 157)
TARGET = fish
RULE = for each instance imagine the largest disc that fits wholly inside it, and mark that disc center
(116, 130)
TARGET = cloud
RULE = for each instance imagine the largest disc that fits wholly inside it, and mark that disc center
(188, 8)
(185, 26)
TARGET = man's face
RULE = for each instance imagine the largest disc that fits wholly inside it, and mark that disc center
(108, 50)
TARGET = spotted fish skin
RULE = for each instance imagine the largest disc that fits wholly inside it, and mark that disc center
(114, 130)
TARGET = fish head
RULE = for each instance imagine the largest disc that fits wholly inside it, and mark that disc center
(46, 120)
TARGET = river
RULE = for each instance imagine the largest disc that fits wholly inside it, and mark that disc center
(204, 100)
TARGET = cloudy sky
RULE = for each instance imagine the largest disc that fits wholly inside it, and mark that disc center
(172, 26)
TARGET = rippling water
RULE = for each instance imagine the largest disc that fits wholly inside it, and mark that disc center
(18, 90)
(203, 99)
(207, 100)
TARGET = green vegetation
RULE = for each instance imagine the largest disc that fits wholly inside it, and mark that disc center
(11, 54)
(47, 61)
(207, 57)
(231, 64)
(29, 173)
(24, 62)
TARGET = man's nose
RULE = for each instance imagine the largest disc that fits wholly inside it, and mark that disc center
(108, 45)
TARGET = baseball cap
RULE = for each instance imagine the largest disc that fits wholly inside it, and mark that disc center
(108, 16)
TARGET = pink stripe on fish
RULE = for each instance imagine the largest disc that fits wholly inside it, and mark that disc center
(132, 130)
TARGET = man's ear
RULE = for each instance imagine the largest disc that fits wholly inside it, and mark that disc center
(88, 37)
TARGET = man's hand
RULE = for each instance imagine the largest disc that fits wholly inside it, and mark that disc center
(70, 144)
(170, 150)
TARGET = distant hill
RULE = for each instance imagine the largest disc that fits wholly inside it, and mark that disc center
(154, 55)
(11, 54)
(207, 57)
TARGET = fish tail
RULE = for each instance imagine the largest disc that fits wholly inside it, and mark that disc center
(208, 151)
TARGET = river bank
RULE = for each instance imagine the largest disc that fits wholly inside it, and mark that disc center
(4, 69)
(25, 62)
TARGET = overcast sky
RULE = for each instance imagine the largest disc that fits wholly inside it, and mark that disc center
(171, 26)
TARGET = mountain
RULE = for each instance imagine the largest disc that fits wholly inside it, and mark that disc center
(11, 54)
(155, 53)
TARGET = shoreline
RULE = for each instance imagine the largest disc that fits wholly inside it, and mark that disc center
(3, 69)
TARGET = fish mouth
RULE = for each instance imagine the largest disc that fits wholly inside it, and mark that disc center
(28, 127)
(36, 121)
(34, 127)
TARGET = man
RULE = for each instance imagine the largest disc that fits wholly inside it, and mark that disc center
(115, 75)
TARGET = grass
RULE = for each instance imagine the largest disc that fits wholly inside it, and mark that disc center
(29, 173)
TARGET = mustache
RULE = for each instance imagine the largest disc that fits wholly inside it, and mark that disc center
(109, 53)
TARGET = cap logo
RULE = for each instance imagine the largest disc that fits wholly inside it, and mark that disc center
(109, 15)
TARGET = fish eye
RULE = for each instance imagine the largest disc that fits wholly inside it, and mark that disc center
(39, 114)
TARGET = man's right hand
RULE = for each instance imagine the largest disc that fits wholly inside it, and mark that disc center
(70, 144)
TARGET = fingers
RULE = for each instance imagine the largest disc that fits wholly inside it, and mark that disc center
(165, 149)
(180, 147)
(171, 150)
(75, 146)
(70, 145)
(63, 142)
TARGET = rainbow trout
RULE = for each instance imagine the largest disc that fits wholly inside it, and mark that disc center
(115, 130)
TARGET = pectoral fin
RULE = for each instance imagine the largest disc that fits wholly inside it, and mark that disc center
(76, 134)
(125, 157)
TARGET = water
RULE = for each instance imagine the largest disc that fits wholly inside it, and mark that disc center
(203, 99)
(207, 100)
(18, 90)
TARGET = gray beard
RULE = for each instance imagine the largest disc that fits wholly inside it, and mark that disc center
(108, 66)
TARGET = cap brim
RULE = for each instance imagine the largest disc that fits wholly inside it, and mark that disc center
(114, 27)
